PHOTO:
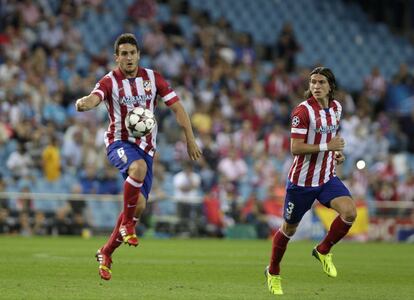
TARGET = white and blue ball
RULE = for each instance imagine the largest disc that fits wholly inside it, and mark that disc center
(140, 122)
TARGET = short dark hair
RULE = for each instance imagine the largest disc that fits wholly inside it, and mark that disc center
(125, 38)
(329, 76)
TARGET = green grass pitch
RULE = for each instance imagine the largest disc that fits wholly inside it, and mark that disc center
(64, 268)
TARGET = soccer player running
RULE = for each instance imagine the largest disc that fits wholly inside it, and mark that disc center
(122, 89)
(317, 149)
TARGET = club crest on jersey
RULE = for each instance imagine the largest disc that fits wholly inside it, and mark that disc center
(295, 121)
(147, 85)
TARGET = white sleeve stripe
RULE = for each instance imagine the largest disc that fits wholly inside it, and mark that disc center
(299, 130)
(169, 96)
(133, 182)
(99, 92)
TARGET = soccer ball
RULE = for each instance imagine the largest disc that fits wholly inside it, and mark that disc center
(140, 122)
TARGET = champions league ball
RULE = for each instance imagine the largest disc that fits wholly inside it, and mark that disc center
(140, 122)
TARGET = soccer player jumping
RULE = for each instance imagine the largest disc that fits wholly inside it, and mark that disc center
(317, 149)
(121, 90)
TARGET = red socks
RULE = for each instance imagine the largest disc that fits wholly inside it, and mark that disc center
(115, 240)
(279, 244)
(132, 189)
(339, 228)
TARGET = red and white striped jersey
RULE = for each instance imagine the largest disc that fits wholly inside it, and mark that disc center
(122, 94)
(314, 125)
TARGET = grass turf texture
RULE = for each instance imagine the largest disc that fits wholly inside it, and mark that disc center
(65, 268)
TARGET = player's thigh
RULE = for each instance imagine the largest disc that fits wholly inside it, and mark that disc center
(345, 206)
(138, 169)
(122, 154)
(298, 201)
(333, 189)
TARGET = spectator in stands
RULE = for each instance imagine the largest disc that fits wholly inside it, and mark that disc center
(378, 145)
(5, 221)
(25, 202)
(406, 192)
(24, 224)
(187, 194)
(287, 47)
(108, 182)
(142, 10)
(19, 162)
(403, 76)
(154, 39)
(4, 202)
(40, 225)
(30, 11)
(62, 223)
(173, 31)
(8, 70)
(273, 206)
(89, 179)
(232, 167)
(51, 160)
(280, 85)
(213, 215)
(375, 88)
(253, 213)
(201, 119)
(245, 139)
(397, 140)
(72, 156)
(244, 50)
(170, 61)
(76, 205)
(407, 126)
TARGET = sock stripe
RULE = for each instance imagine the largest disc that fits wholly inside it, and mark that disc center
(346, 222)
(133, 182)
(281, 231)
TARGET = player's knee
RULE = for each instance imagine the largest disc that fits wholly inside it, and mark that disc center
(289, 229)
(138, 169)
(349, 214)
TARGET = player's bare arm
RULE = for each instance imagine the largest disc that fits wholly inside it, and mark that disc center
(299, 147)
(87, 103)
(184, 121)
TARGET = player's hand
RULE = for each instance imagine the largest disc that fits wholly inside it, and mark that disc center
(80, 104)
(339, 157)
(193, 150)
(336, 144)
(87, 102)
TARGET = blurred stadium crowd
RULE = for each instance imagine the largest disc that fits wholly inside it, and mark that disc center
(238, 92)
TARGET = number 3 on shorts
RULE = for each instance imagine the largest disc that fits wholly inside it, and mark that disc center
(289, 210)
(290, 207)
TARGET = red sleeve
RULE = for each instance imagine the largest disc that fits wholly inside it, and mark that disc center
(103, 88)
(299, 125)
(164, 90)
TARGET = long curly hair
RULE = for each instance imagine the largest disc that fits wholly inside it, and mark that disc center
(329, 76)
